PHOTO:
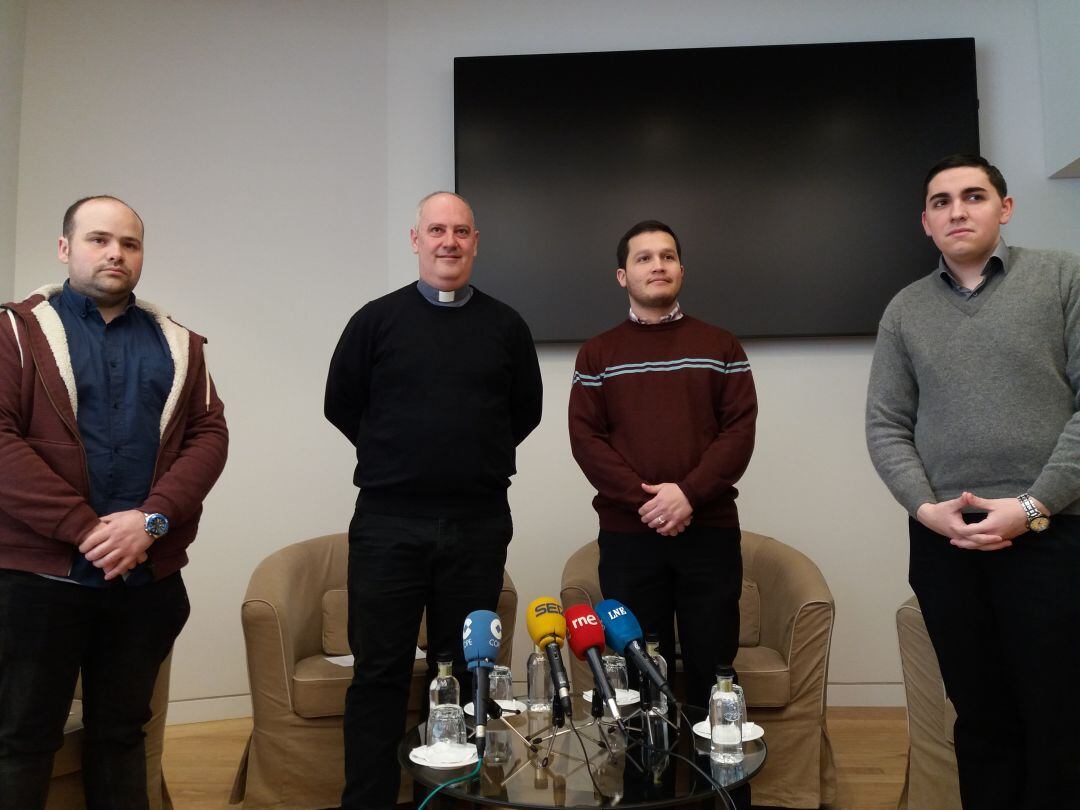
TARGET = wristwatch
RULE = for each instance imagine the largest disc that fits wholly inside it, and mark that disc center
(1036, 520)
(157, 525)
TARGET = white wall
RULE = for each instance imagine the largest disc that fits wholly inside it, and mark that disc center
(251, 137)
(276, 149)
(1059, 34)
(12, 34)
(810, 483)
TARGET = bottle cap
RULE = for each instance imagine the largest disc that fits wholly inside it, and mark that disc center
(725, 671)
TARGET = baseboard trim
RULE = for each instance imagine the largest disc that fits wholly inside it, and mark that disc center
(200, 710)
(866, 694)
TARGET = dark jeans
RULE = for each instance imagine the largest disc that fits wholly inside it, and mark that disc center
(1003, 624)
(694, 577)
(117, 637)
(397, 566)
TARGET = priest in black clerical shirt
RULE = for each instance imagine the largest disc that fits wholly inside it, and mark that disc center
(435, 384)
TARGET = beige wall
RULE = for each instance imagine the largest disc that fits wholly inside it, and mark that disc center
(12, 31)
(276, 149)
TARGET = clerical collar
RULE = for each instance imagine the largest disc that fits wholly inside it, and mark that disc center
(674, 315)
(445, 298)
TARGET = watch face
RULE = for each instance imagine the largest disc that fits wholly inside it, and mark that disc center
(1039, 524)
(157, 525)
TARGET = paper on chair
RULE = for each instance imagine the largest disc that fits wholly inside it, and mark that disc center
(347, 660)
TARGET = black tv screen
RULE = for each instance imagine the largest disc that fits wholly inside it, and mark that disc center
(792, 174)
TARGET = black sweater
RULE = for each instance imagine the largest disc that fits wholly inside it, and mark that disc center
(435, 399)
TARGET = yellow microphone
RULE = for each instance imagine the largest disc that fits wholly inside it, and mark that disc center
(545, 622)
(547, 627)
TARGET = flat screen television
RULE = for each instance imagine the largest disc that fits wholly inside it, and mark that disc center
(792, 174)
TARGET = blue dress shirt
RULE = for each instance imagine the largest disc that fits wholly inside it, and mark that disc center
(123, 374)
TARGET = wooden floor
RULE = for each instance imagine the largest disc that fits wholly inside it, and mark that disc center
(870, 745)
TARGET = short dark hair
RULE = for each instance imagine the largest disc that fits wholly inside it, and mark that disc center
(647, 226)
(73, 209)
(961, 160)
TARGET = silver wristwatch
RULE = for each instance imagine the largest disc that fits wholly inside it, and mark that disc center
(1036, 520)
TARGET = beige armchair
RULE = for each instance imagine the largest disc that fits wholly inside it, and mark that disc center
(66, 788)
(783, 661)
(931, 782)
(295, 615)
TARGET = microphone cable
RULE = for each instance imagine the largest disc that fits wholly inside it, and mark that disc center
(588, 762)
(720, 789)
(466, 778)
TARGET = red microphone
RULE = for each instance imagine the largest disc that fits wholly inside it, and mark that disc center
(585, 635)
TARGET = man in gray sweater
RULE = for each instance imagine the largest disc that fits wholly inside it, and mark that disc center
(973, 423)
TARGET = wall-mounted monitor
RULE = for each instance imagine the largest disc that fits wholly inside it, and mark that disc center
(792, 174)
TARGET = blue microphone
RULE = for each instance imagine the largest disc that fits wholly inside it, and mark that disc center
(623, 634)
(480, 639)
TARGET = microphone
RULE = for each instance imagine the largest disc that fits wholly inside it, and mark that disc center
(480, 640)
(586, 639)
(624, 635)
(547, 627)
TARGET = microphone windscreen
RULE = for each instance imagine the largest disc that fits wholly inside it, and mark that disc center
(620, 626)
(583, 629)
(544, 621)
(480, 637)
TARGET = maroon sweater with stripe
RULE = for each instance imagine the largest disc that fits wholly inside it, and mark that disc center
(671, 402)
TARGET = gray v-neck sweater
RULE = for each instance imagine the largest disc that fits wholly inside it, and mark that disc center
(981, 394)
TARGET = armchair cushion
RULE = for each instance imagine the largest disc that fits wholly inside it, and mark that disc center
(319, 687)
(764, 676)
(749, 614)
(335, 622)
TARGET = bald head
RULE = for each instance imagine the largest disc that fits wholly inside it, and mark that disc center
(424, 200)
(445, 240)
(73, 209)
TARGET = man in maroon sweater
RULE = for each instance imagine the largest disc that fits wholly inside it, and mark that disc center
(662, 413)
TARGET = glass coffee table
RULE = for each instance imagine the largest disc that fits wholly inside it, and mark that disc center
(658, 766)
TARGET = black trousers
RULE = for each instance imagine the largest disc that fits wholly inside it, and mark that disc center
(117, 637)
(397, 566)
(694, 578)
(1003, 624)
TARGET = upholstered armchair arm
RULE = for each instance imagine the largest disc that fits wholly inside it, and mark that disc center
(282, 615)
(796, 604)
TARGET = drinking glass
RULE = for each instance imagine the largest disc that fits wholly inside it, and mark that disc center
(501, 684)
(446, 725)
(615, 669)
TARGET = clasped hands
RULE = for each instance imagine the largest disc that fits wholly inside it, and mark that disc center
(1005, 519)
(118, 543)
(668, 511)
